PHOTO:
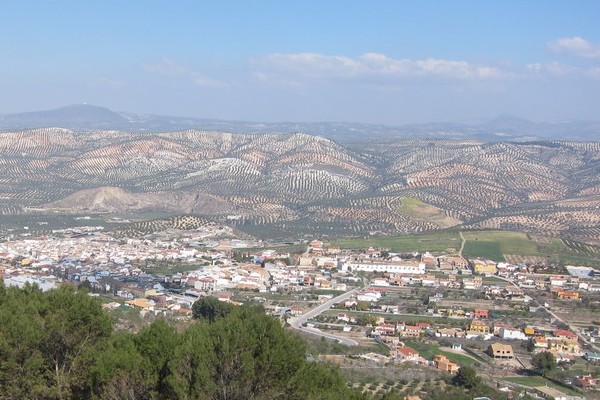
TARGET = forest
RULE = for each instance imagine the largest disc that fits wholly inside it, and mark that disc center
(61, 344)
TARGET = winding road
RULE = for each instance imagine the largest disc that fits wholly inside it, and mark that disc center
(297, 322)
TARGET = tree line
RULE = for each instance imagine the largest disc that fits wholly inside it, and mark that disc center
(61, 344)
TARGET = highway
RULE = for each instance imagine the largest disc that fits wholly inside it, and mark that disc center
(297, 322)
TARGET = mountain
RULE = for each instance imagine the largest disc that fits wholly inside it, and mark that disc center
(288, 185)
(81, 116)
(505, 128)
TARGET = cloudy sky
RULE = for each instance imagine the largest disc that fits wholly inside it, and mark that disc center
(390, 62)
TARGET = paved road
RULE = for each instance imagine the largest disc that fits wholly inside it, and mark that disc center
(297, 322)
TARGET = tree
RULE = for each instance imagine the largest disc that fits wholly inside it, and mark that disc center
(60, 345)
(44, 339)
(466, 377)
(210, 308)
(543, 362)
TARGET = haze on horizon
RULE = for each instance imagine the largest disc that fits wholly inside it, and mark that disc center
(386, 62)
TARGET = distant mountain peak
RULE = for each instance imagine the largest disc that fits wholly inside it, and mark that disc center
(86, 117)
(76, 116)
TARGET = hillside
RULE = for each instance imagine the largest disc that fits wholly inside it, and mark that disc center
(290, 184)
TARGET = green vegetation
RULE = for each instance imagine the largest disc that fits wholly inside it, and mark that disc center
(430, 350)
(210, 309)
(494, 244)
(543, 362)
(61, 345)
(440, 242)
(466, 377)
(320, 345)
(169, 267)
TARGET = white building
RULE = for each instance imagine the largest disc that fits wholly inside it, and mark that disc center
(374, 266)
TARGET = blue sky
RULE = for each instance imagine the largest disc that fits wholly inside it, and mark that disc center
(390, 62)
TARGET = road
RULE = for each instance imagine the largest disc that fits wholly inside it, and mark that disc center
(462, 244)
(297, 322)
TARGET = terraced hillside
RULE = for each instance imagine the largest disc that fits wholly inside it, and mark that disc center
(291, 184)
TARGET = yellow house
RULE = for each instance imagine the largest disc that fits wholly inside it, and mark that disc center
(478, 326)
(529, 331)
(141, 303)
(487, 267)
(567, 295)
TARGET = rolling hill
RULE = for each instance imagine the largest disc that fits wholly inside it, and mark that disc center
(287, 185)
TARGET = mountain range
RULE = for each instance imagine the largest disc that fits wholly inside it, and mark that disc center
(288, 185)
(503, 128)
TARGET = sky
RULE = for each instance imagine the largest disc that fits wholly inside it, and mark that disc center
(386, 62)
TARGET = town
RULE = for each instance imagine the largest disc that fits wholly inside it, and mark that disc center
(438, 312)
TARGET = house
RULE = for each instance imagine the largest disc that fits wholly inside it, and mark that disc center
(144, 304)
(564, 334)
(368, 296)
(410, 331)
(585, 382)
(529, 331)
(567, 295)
(472, 283)
(480, 313)
(500, 351)
(540, 342)
(424, 325)
(405, 353)
(442, 363)
(486, 267)
(345, 317)
(296, 311)
(449, 332)
(511, 333)
(478, 326)
(380, 282)
(568, 346)
(385, 329)
(558, 280)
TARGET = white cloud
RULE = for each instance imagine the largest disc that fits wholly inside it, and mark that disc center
(170, 68)
(374, 65)
(552, 69)
(593, 72)
(576, 46)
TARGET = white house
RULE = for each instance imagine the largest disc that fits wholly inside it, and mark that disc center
(368, 296)
(510, 333)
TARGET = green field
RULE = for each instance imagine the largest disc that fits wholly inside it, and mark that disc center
(494, 245)
(438, 242)
(429, 351)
